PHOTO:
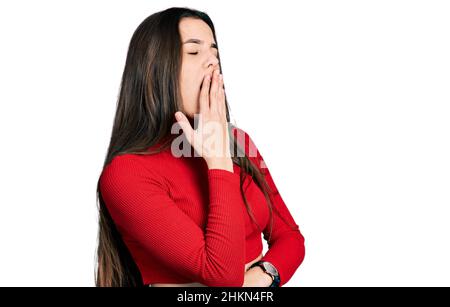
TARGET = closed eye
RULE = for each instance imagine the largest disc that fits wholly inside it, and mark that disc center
(193, 52)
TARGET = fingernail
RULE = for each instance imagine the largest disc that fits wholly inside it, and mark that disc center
(221, 77)
(177, 115)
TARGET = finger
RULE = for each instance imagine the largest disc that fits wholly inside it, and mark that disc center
(185, 125)
(204, 94)
(213, 92)
(221, 96)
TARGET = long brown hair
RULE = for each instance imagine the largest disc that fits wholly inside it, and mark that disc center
(148, 98)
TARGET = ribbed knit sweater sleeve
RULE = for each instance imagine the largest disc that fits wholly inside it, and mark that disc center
(142, 209)
(286, 245)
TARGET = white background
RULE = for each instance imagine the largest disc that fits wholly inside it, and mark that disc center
(348, 101)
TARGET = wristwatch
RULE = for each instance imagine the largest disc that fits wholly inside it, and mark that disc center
(268, 268)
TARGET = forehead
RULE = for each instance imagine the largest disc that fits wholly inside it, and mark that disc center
(195, 28)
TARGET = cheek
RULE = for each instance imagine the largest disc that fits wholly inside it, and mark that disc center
(189, 85)
(189, 95)
(187, 78)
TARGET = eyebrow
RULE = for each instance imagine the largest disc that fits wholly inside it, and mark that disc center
(198, 41)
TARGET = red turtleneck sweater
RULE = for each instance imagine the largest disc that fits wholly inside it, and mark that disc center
(184, 223)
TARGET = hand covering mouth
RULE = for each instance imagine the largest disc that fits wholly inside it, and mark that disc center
(201, 82)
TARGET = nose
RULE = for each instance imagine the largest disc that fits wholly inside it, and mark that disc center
(212, 62)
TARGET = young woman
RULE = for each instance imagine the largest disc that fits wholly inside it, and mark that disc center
(196, 219)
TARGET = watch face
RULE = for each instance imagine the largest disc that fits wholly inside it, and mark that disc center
(270, 268)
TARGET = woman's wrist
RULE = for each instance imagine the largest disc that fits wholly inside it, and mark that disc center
(256, 277)
(221, 163)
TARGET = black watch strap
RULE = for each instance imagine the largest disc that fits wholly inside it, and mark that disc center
(274, 274)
